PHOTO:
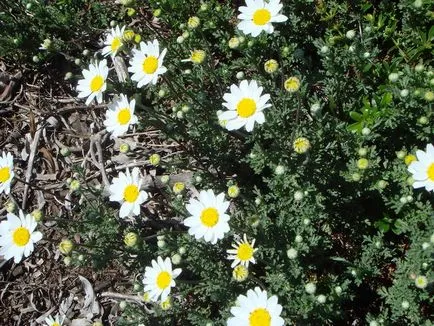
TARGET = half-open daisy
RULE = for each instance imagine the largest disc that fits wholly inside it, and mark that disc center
(113, 42)
(125, 189)
(208, 219)
(256, 309)
(423, 169)
(159, 279)
(57, 321)
(259, 15)
(147, 63)
(243, 252)
(18, 236)
(120, 115)
(245, 104)
(94, 83)
(6, 172)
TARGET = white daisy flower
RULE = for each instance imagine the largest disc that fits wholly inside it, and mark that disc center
(113, 42)
(259, 15)
(256, 309)
(120, 115)
(57, 321)
(94, 83)
(245, 103)
(243, 252)
(125, 189)
(147, 63)
(423, 169)
(18, 235)
(159, 279)
(208, 219)
(6, 172)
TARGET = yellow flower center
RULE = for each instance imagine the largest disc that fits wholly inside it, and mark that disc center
(209, 217)
(261, 16)
(163, 280)
(244, 252)
(124, 116)
(116, 44)
(150, 65)
(197, 56)
(96, 83)
(21, 236)
(260, 317)
(5, 174)
(246, 107)
(430, 172)
(55, 324)
(131, 193)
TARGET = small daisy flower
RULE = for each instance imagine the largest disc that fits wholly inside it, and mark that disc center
(114, 41)
(423, 169)
(18, 236)
(57, 321)
(125, 189)
(243, 252)
(421, 282)
(94, 83)
(147, 63)
(193, 22)
(6, 172)
(159, 279)
(256, 309)
(208, 219)
(245, 104)
(259, 15)
(271, 66)
(196, 56)
(120, 115)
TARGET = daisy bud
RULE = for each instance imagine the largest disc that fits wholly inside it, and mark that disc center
(193, 22)
(310, 288)
(285, 51)
(67, 260)
(35, 59)
(271, 66)
(410, 181)
(178, 187)
(366, 131)
(321, 298)
(37, 215)
(124, 148)
(393, 77)
(161, 244)
(424, 265)
(29, 6)
(198, 179)
(155, 159)
(240, 273)
(203, 7)
(350, 34)
(408, 159)
(185, 108)
(233, 191)
(240, 75)
(419, 67)
(187, 71)
(425, 245)
(417, 3)
(363, 163)
(258, 201)
(280, 169)
(301, 145)
(176, 259)
(137, 38)
(373, 323)
(338, 290)
(298, 238)
(157, 12)
(429, 96)
(182, 250)
(166, 304)
(291, 253)
(403, 200)
(404, 93)
(423, 120)
(421, 282)
(161, 93)
(306, 221)
(146, 297)
(74, 185)
(161, 237)
(16, 41)
(131, 12)
(362, 151)
(128, 35)
(234, 42)
(250, 43)
(409, 198)
(10, 206)
(366, 55)
(298, 195)
(66, 246)
(292, 84)
(382, 184)
(356, 177)
(130, 239)
(405, 304)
